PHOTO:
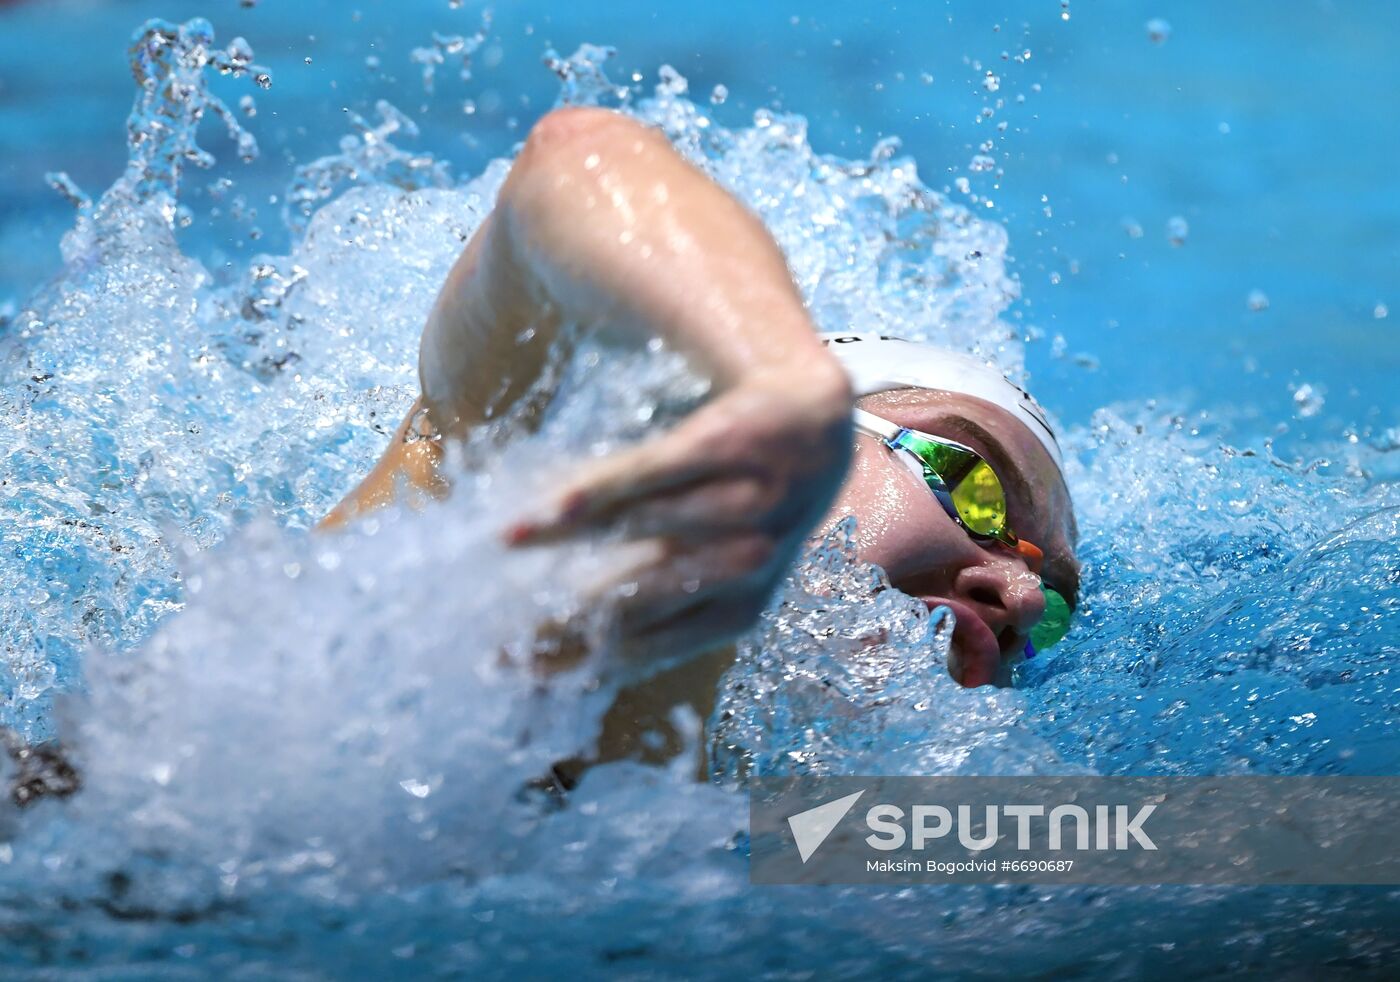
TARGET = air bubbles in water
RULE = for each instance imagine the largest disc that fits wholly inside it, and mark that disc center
(718, 95)
(1158, 30)
(1064, 9)
(264, 80)
(1257, 300)
(249, 106)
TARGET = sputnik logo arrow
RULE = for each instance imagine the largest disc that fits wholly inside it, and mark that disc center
(810, 828)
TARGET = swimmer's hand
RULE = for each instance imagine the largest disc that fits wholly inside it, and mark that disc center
(721, 504)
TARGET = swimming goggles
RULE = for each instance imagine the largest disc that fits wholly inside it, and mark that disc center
(972, 496)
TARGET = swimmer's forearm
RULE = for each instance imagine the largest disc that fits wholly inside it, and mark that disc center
(409, 465)
(602, 223)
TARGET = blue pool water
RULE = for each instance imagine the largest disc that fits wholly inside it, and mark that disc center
(295, 762)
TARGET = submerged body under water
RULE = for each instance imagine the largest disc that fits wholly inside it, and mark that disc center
(296, 760)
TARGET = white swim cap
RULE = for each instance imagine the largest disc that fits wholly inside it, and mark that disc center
(877, 363)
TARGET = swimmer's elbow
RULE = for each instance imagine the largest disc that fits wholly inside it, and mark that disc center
(563, 140)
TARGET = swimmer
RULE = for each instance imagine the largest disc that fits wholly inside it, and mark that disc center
(951, 471)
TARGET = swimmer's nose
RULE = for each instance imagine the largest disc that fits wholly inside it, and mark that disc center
(1005, 594)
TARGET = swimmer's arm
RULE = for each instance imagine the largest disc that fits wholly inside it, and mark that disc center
(407, 465)
(602, 223)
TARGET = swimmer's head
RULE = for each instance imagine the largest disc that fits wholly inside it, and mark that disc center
(993, 589)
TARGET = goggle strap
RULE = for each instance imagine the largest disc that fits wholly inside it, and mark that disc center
(873, 425)
(913, 464)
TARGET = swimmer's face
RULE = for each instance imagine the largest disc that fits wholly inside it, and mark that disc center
(901, 527)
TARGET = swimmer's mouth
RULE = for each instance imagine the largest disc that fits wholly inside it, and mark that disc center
(975, 656)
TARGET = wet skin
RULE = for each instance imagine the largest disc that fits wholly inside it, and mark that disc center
(992, 591)
(993, 594)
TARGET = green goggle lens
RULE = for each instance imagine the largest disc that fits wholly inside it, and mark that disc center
(1054, 625)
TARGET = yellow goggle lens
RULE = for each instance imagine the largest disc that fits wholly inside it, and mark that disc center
(980, 500)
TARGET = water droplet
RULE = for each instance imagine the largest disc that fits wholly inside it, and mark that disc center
(672, 82)
(991, 82)
(1381, 312)
(240, 52)
(247, 146)
(1158, 30)
(1177, 230)
(1257, 300)
(1064, 9)
(65, 185)
(264, 80)
(308, 59)
(1308, 400)
(418, 789)
(718, 95)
